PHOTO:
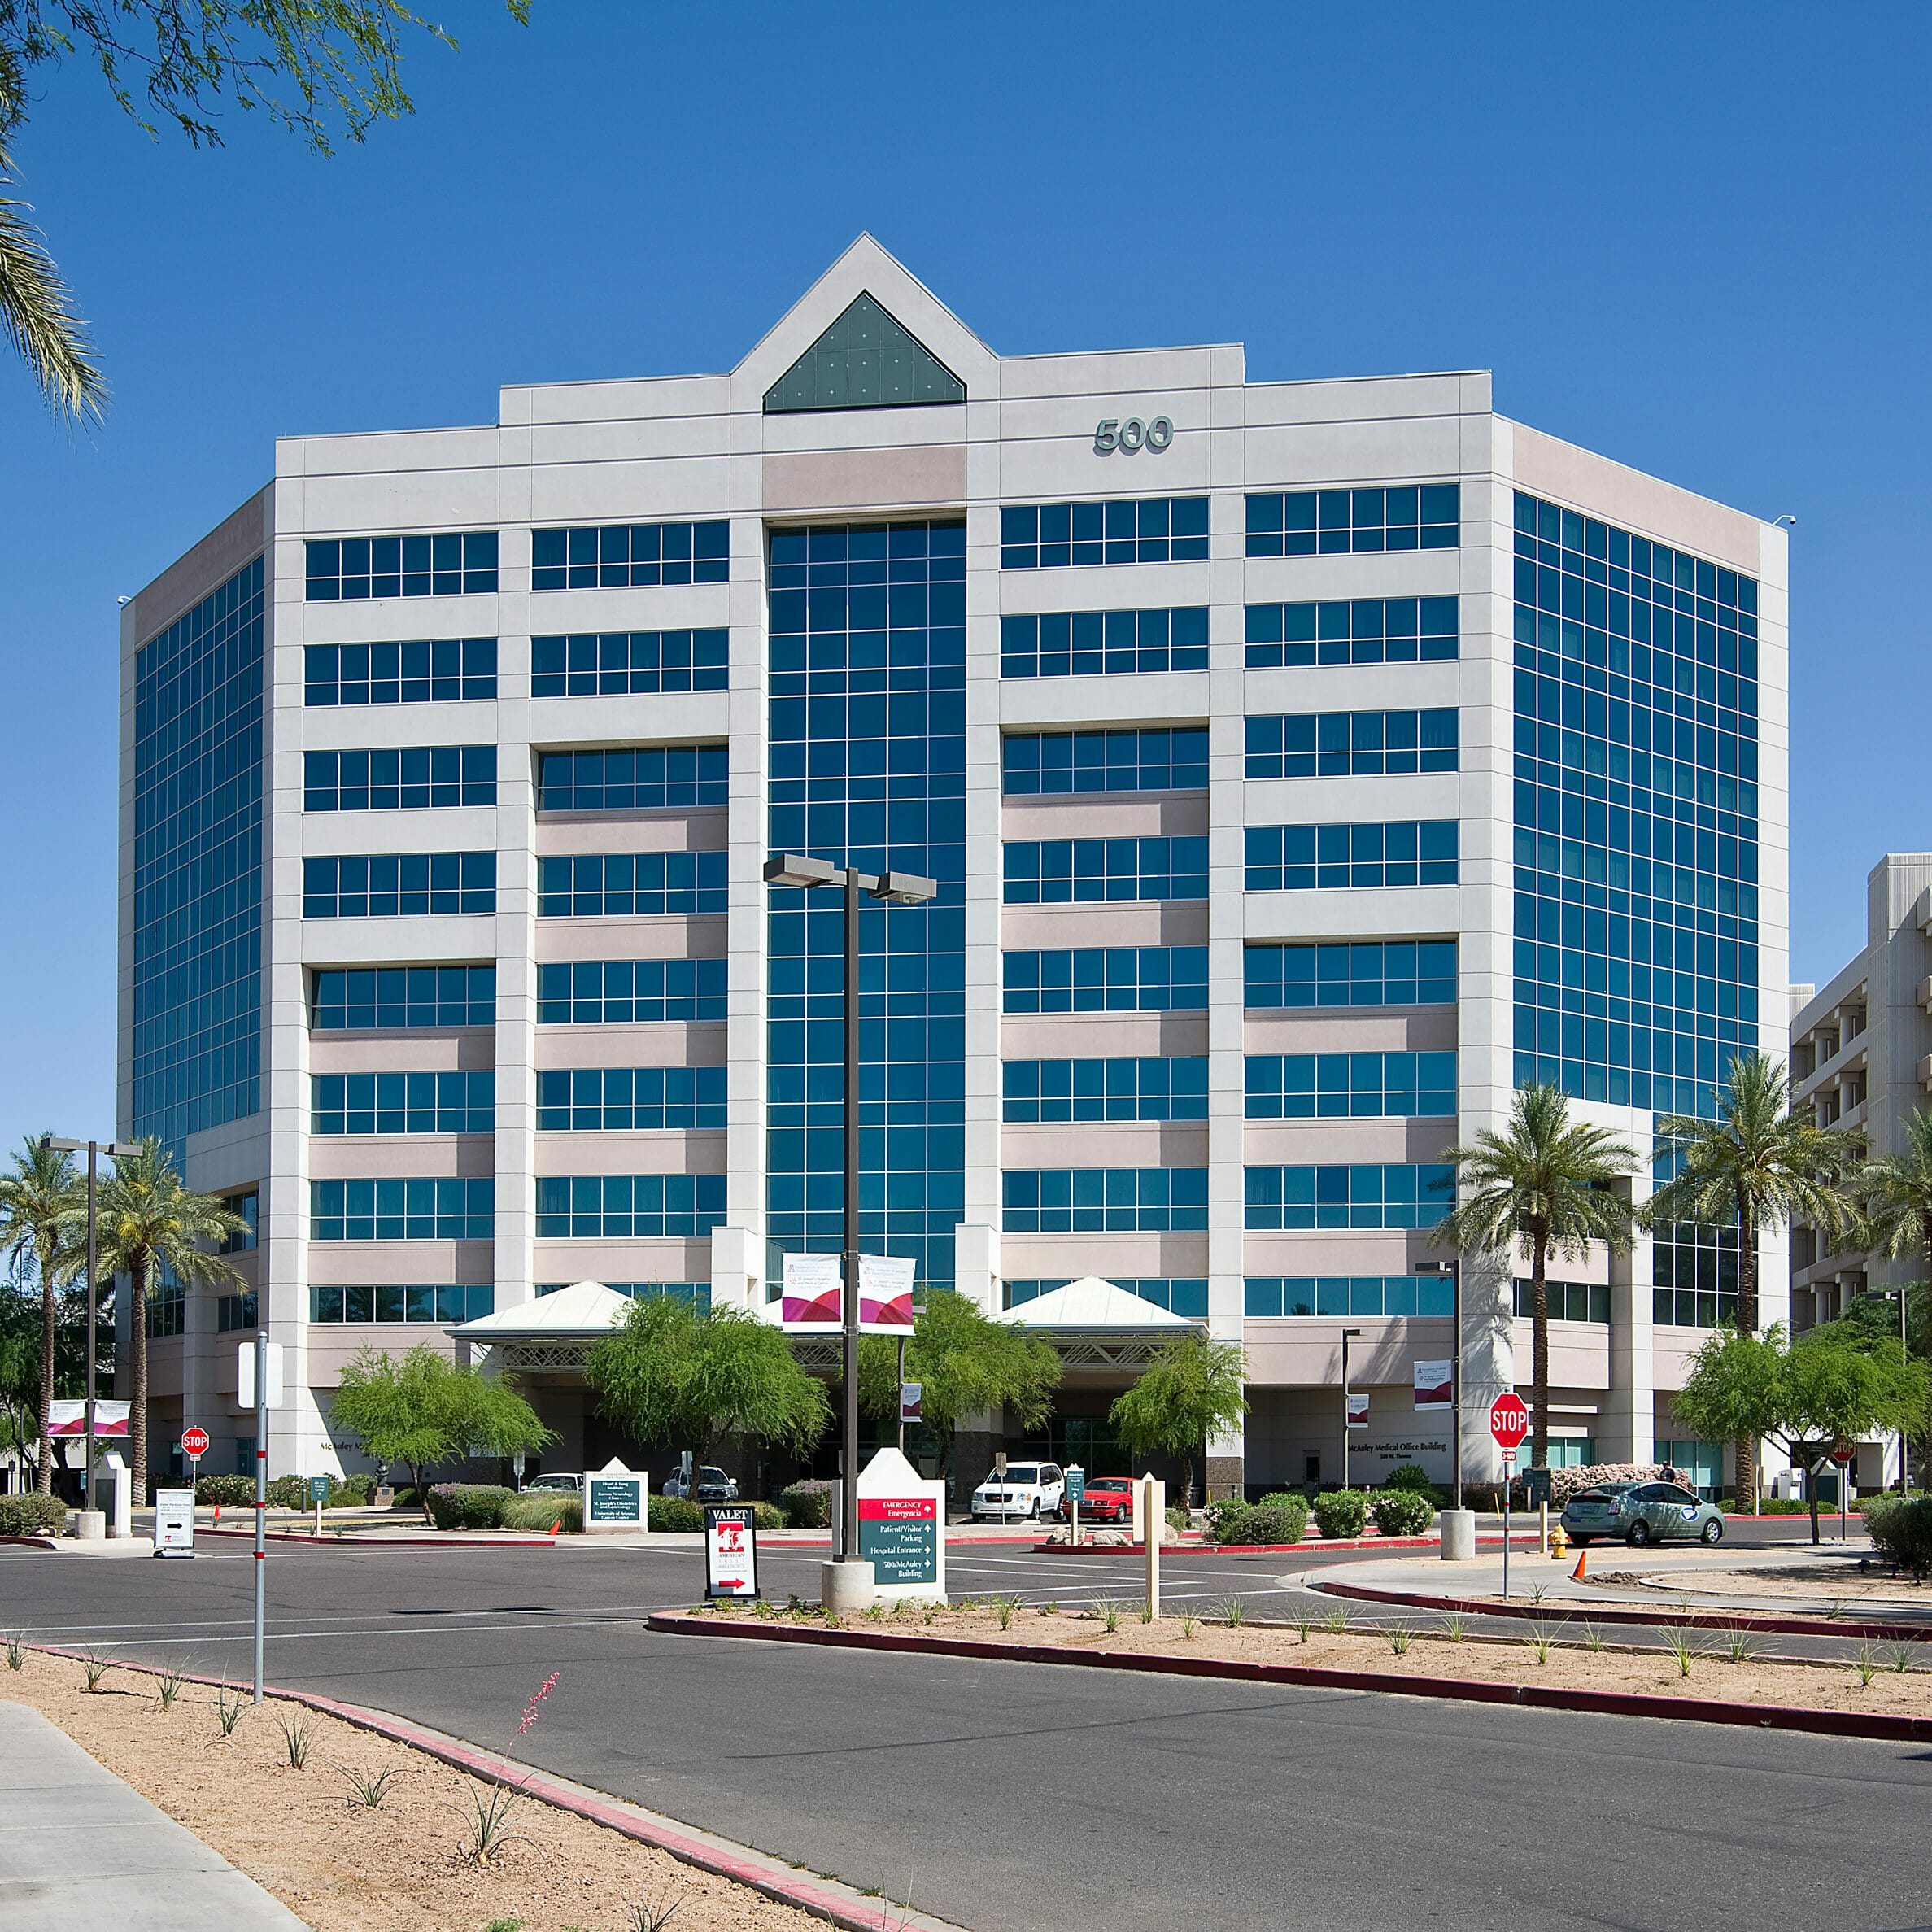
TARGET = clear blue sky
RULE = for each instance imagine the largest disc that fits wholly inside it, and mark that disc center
(1694, 238)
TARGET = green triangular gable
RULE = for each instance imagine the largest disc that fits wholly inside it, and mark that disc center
(865, 360)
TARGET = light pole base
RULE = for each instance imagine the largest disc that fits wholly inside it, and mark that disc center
(1458, 1535)
(91, 1524)
(845, 1588)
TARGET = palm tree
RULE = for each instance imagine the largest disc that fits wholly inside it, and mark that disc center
(149, 1221)
(1895, 1193)
(34, 305)
(42, 1205)
(1550, 1181)
(1753, 1166)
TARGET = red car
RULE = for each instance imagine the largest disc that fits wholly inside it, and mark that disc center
(1109, 1499)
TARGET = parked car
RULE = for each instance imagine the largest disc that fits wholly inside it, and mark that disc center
(1641, 1512)
(1108, 1499)
(713, 1485)
(573, 1484)
(1034, 1490)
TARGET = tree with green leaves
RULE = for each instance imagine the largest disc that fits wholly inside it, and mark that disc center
(1194, 1389)
(43, 1210)
(324, 69)
(150, 1223)
(1754, 1164)
(671, 1372)
(21, 1413)
(1552, 1183)
(1893, 1193)
(1805, 1396)
(965, 1364)
(425, 1410)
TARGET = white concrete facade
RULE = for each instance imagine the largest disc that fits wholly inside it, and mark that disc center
(638, 450)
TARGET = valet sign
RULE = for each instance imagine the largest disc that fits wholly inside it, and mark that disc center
(730, 1550)
(902, 1528)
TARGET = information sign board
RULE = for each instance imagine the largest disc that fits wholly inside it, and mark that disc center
(319, 1487)
(174, 1522)
(613, 1497)
(902, 1528)
(1435, 1383)
(1076, 1485)
(1357, 1410)
(730, 1550)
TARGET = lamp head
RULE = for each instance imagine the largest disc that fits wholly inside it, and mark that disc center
(795, 869)
(905, 888)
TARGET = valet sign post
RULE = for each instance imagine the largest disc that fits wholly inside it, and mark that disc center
(730, 1550)
(1509, 1424)
(902, 1528)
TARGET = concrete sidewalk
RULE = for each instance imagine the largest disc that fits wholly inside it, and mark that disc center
(80, 1850)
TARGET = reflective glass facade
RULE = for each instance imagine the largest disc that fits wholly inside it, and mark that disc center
(1046, 764)
(868, 765)
(1177, 1295)
(611, 884)
(1103, 644)
(1400, 1195)
(604, 992)
(617, 664)
(626, 555)
(1331, 522)
(1064, 871)
(1268, 1296)
(357, 999)
(442, 1101)
(410, 779)
(1636, 813)
(438, 1302)
(198, 865)
(460, 565)
(1350, 744)
(615, 1099)
(398, 885)
(1057, 536)
(1302, 859)
(1392, 973)
(1116, 1200)
(1106, 979)
(1340, 1086)
(1105, 1089)
(444, 670)
(1365, 631)
(443, 1209)
(609, 1206)
(654, 779)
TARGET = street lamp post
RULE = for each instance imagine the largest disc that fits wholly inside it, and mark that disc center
(1348, 1335)
(893, 888)
(115, 1150)
(1453, 1270)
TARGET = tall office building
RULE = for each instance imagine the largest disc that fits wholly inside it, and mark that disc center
(1302, 765)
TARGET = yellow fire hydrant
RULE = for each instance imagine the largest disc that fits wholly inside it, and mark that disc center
(1559, 1543)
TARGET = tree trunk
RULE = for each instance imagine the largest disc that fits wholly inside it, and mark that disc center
(1810, 1496)
(44, 1481)
(1187, 1476)
(1744, 1449)
(137, 1388)
(1539, 1357)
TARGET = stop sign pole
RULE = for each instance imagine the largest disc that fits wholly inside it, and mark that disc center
(194, 1446)
(1509, 1424)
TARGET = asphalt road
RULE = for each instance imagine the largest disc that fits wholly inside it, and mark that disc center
(1015, 1796)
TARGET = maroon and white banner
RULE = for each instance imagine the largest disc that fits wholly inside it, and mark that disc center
(1357, 1410)
(885, 1295)
(70, 1418)
(814, 1297)
(1435, 1384)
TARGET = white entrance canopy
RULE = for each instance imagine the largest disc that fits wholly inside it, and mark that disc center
(1094, 1324)
(548, 1331)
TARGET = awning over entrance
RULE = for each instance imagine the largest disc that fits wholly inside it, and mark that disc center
(550, 1331)
(1094, 1324)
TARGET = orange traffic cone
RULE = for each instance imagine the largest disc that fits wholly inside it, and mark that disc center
(1576, 1575)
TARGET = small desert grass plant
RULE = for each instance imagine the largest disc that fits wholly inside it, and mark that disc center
(1682, 1646)
(1144, 1610)
(506, 1926)
(1740, 1646)
(875, 1612)
(1007, 1607)
(369, 1788)
(1049, 1610)
(648, 1916)
(1540, 1642)
(1455, 1628)
(1304, 1623)
(1866, 1663)
(16, 1651)
(168, 1684)
(296, 1741)
(1339, 1619)
(1110, 1612)
(1902, 1656)
(96, 1667)
(1593, 1637)
(1234, 1611)
(229, 1706)
(487, 1810)
(1538, 1591)
(1188, 1621)
(1400, 1636)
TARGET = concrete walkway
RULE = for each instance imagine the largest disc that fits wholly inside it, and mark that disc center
(80, 1850)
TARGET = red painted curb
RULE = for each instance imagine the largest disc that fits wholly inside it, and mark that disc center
(441, 1539)
(1567, 1609)
(804, 1892)
(1885, 1726)
(1517, 1541)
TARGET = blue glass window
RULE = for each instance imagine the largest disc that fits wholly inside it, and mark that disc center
(442, 1101)
(1055, 536)
(1636, 946)
(1338, 1086)
(1037, 1090)
(611, 1206)
(1107, 980)
(442, 670)
(1693, 1271)
(412, 778)
(1178, 1296)
(398, 885)
(867, 720)
(439, 1302)
(698, 1293)
(1351, 743)
(1366, 630)
(442, 1209)
(1268, 1296)
(621, 1099)
(352, 568)
(627, 555)
(1404, 1196)
(1123, 1200)
(237, 1311)
(605, 993)
(358, 999)
(1567, 1300)
(1392, 973)
(196, 1048)
(1325, 522)
(648, 779)
(1062, 872)
(1103, 644)
(1300, 858)
(611, 884)
(1046, 764)
(616, 663)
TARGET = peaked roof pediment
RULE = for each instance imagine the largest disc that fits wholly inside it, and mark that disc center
(867, 359)
(1091, 1306)
(583, 1308)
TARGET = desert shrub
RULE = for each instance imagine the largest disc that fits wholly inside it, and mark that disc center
(1402, 1512)
(768, 1515)
(32, 1514)
(468, 1505)
(1277, 1520)
(405, 1497)
(673, 1513)
(541, 1508)
(807, 1505)
(286, 1492)
(1228, 1522)
(1341, 1512)
(231, 1492)
(1411, 1476)
(1900, 1528)
(351, 1490)
(1178, 1521)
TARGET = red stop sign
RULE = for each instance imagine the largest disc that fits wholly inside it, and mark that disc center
(1509, 1421)
(195, 1444)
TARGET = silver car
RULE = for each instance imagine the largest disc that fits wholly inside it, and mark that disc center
(1641, 1512)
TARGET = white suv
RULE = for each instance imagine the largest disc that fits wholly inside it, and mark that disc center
(1034, 1490)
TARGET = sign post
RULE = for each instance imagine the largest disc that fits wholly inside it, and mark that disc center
(902, 1528)
(258, 1386)
(319, 1487)
(1154, 1514)
(1076, 1494)
(1843, 1452)
(730, 1550)
(1509, 1424)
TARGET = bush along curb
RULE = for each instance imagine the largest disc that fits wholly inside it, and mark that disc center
(1566, 1609)
(829, 1899)
(1885, 1725)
